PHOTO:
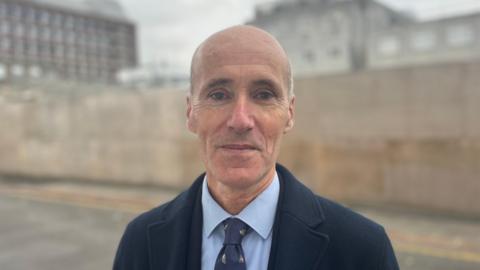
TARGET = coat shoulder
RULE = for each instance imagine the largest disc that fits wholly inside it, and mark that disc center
(161, 213)
(364, 240)
(353, 240)
(169, 210)
(346, 220)
(132, 252)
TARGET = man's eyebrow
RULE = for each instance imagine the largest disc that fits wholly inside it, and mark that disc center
(264, 82)
(273, 85)
(218, 82)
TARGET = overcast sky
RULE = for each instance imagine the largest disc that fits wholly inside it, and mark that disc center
(169, 31)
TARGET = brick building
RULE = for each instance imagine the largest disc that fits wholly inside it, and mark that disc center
(81, 40)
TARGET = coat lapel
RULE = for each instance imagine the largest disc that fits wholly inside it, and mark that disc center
(175, 242)
(168, 245)
(297, 243)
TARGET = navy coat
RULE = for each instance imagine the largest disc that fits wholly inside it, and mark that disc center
(310, 232)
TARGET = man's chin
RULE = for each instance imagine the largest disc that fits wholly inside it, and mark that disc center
(241, 176)
(237, 158)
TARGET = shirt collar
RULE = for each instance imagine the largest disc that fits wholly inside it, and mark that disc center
(264, 205)
(213, 213)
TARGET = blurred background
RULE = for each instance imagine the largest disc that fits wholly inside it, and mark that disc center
(92, 118)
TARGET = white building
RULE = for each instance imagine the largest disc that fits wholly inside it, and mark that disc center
(451, 39)
(334, 36)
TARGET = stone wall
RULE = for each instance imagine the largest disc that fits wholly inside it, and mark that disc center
(406, 137)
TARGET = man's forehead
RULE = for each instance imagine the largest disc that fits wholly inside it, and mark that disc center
(241, 45)
(222, 58)
(222, 52)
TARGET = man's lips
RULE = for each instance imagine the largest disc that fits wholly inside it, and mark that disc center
(238, 147)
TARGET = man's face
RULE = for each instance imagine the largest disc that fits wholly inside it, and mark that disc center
(240, 109)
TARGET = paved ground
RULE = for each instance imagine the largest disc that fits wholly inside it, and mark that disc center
(78, 226)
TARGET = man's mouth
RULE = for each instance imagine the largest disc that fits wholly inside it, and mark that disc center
(238, 147)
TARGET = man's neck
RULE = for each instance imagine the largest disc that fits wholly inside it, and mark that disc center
(234, 200)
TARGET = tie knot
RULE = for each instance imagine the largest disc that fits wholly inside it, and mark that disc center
(235, 230)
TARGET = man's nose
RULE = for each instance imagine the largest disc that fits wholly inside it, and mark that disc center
(241, 118)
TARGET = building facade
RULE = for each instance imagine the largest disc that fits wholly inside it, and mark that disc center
(325, 36)
(87, 40)
(338, 36)
(453, 39)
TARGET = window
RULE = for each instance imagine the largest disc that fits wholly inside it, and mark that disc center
(15, 10)
(38, 15)
(30, 14)
(6, 44)
(18, 49)
(459, 35)
(333, 52)
(58, 35)
(32, 49)
(24, 12)
(71, 53)
(57, 19)
(79, 24)
(68, 21)
(3, 9)
(45, 16)
(45, 33)
(33, 32)
(19, 30)
(72, 71)
(17, 70)
(423, 40)
(388, 45)
(43, 49)
(5, 27)
(35, 71)
(3, 71)
(71, 37)
(59, 52)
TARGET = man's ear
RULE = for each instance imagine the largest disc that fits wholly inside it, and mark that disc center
(291, 115)
(191, 121)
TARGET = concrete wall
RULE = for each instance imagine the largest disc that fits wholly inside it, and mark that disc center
(408, 136)
(109, 135)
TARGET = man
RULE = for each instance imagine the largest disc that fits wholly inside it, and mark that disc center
(247, 212)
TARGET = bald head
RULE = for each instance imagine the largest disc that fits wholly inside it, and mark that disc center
(240, 45)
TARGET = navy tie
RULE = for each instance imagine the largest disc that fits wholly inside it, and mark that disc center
(231, 255)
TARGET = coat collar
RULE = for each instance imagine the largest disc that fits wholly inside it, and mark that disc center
(174, 241)
(297, 242)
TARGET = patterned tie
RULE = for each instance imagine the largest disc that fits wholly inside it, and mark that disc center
(231, 255)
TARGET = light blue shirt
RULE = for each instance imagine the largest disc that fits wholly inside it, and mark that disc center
(258, 214)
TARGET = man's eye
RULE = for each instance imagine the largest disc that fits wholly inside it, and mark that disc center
(218, 96)
(264, 95)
